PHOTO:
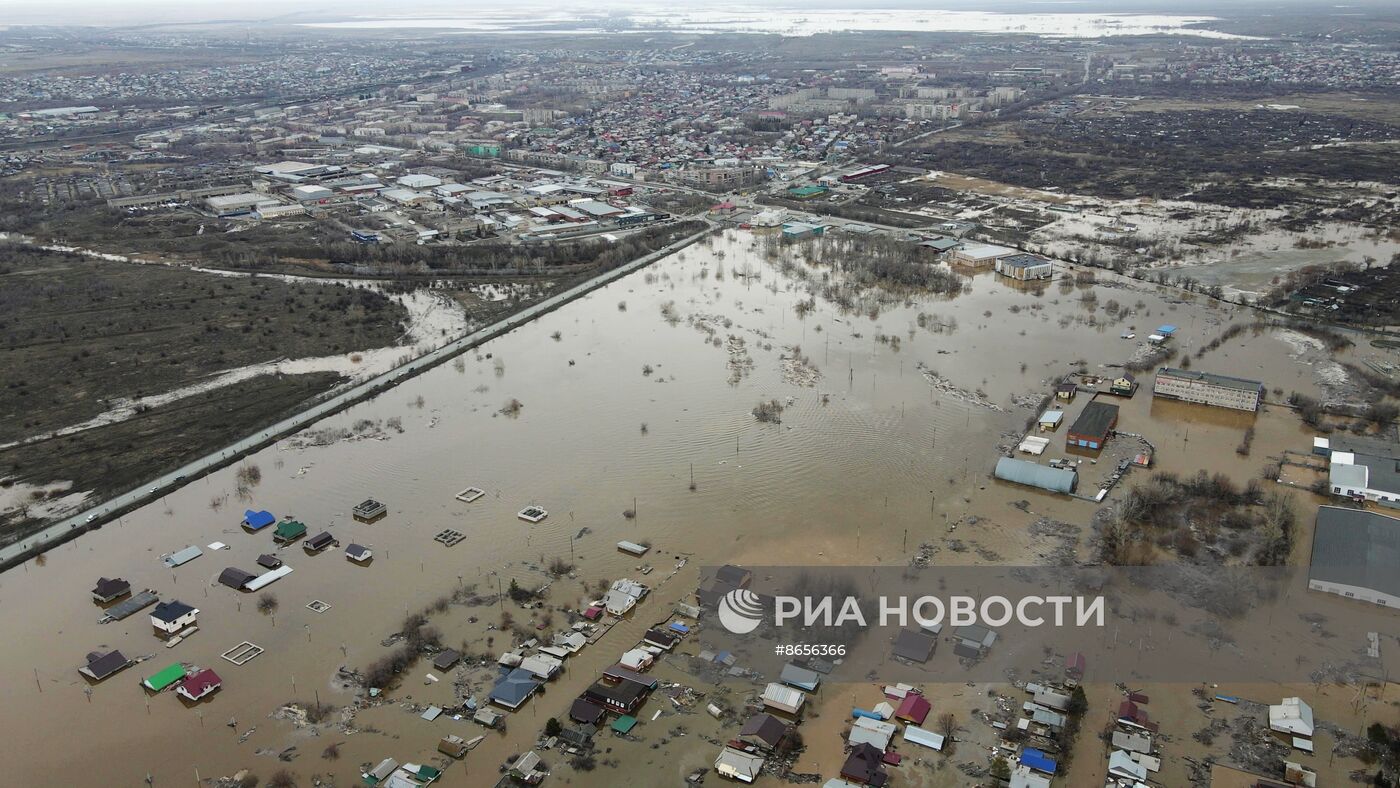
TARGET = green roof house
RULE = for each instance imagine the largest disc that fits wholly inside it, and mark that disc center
(289, 531)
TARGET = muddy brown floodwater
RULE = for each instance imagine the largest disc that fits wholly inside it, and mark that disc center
(870, 457)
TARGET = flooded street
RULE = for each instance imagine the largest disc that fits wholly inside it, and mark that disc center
(621, 394)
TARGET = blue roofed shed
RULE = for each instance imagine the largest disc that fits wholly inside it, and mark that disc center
(254, 521)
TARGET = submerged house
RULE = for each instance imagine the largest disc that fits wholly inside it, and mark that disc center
(319, 542)
(201, 685)
(108, 589)
(257, 520)
(289, 531)
(173, 616)
(514, 688)
(101, 665)
(736, 765)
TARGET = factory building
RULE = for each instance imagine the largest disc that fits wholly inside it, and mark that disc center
(1205, 388)
(1091, 429)
(979, 255)
(1025, 267)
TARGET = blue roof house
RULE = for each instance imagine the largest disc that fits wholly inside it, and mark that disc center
(1037, 760)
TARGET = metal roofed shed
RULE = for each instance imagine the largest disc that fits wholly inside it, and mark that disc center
(800, 677)
(785, 699)
(633, 548)
(268, 578)
(358, 553)
(129, 607)
(624, 724)
(256, 521)
(181, 557)
(925, 738)
(1060, 480)
(164, 678)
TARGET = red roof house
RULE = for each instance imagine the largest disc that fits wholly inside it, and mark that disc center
(914, 709)
(196, 687)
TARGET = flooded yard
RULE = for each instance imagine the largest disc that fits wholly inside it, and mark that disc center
(612, 404)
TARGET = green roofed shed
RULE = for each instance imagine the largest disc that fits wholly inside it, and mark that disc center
(165, 677)
(624, 724)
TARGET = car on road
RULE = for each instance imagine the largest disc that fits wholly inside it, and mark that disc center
(91, 517)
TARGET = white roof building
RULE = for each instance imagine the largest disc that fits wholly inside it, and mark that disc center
(419, 181)
(1292, 716)
(1025, 777)
(876, 733)
(1121, 764)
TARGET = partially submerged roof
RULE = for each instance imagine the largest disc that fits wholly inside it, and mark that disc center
(913, 644)
(182, 556)
(1031, 474)
(256, 520)
(800, 677)
(165, 677)
(108, 587)
(99, 665)
(235, 578)
(513, 688)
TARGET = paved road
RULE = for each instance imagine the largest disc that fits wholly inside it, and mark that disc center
(13, 554)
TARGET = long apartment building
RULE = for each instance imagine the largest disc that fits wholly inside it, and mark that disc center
(1206, 388)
